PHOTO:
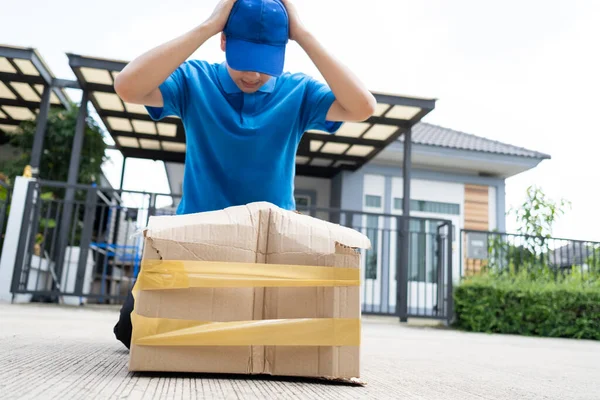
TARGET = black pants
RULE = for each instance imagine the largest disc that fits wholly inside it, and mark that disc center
(123, 327)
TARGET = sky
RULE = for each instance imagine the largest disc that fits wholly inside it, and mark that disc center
(524, 72)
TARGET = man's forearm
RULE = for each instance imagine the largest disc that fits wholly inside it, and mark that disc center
(351, 94)
(145, 73)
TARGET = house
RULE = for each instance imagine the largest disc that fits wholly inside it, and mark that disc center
(456, 176)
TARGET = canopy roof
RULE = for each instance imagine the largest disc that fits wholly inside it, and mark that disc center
(319, 154)
(23, 76)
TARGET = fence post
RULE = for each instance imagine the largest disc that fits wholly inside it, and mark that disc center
(67, 217)
(386, 268)
(440, 272)
(405, 248)
(152, 205)
(450, 294)
(40, 131)
(402, 269)
(24, 236)
(86, 238)
(461, 260)
(349, 220)
(34, 226)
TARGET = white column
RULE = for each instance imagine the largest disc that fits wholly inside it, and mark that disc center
(13, 233)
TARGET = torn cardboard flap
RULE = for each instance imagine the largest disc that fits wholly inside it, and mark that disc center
(234, 227)
(245, 225)
(290, 232)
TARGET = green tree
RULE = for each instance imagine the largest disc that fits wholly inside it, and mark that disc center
(529, 253)
(3, 190)
(58, 142)
(538, 213)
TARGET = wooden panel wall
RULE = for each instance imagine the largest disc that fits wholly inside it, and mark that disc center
(476, 218)
(476, 207)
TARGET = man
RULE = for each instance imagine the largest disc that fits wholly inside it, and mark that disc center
(243, 118)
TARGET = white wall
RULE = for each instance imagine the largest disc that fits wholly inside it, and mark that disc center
(321, 185)
(175, 174)
(352, 191)
(374, 185)
(13, 233)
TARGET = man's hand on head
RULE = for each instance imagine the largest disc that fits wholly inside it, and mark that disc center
(297, 29)
(353, 101)
(139, 81)
(219, 17)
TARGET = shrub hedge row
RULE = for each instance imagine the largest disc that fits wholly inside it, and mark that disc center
(495, 304)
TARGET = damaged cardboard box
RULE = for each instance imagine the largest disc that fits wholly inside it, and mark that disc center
(191, 319)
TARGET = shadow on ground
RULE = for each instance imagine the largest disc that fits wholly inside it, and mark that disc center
(246, 378)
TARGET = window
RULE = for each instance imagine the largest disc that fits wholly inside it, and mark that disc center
(372, 253)
(372, 201)
(434, 207)
(398, 203)
(303, 202)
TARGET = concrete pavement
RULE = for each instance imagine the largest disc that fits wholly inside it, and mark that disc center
(49, 352)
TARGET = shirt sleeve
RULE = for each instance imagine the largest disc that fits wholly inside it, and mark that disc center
(317, 102)
(173, 94)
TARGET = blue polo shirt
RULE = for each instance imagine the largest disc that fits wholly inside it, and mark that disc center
(241, 147)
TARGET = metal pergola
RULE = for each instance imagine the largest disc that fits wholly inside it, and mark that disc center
(319, 154)
(27, 92)
(27, 88)
(136, 135)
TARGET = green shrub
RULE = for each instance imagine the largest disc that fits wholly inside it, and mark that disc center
(568, 307)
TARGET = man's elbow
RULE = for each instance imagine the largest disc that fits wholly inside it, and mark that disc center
(124, 89)
(367, 110)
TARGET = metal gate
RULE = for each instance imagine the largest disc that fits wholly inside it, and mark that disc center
(77, 247)
(418, 285)
(78, 242)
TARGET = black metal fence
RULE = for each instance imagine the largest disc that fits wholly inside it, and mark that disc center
(78, 246)
(425, 290)
(532, 255)
(5, 193)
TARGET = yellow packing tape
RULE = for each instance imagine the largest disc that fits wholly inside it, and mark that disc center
(173, 274)
(283, 332)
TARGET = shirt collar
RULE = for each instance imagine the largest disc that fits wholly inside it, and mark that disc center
(230, 87)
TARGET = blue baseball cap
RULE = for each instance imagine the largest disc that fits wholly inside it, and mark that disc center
(257, 33)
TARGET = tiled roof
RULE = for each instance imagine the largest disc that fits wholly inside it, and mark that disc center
(433, 135)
